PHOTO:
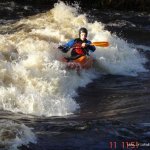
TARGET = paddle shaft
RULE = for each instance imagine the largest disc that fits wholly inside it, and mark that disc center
(100, 44)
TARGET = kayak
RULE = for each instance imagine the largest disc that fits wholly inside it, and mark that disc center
(83, 62)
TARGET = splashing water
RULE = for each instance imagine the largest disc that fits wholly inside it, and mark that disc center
(13, 135)
(32, 79)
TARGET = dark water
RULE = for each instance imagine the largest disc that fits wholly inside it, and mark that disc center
(132, 26)
(112, 108)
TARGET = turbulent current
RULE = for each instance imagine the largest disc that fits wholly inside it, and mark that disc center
(36, 88)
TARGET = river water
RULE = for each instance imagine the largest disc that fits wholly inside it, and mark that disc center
(43, 106)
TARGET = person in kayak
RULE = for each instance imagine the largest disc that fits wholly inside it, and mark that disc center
(79, 46)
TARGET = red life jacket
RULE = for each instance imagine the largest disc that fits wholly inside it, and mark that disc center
(78, 49)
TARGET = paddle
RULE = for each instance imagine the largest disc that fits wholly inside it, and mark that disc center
(102, 44)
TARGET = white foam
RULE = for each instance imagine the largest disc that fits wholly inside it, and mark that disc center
(14, 135)
(120, 58)
(143, 47)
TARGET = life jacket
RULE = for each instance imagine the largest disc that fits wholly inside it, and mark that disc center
(77, 49)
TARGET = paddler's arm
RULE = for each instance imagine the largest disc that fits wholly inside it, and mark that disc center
(65, 48)
(90, 47)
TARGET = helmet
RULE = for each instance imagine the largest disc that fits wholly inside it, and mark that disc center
(84, 30)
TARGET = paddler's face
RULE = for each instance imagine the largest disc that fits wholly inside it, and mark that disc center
(83, 36)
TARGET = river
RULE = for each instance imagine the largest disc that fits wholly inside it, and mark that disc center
(43, 106)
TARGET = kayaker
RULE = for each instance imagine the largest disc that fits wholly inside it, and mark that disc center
(79, 46)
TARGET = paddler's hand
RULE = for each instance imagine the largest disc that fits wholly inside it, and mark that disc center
(63, 49)
(83, 45)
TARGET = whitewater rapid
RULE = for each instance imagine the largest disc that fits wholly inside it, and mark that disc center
(34, 81)
(14, 135)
